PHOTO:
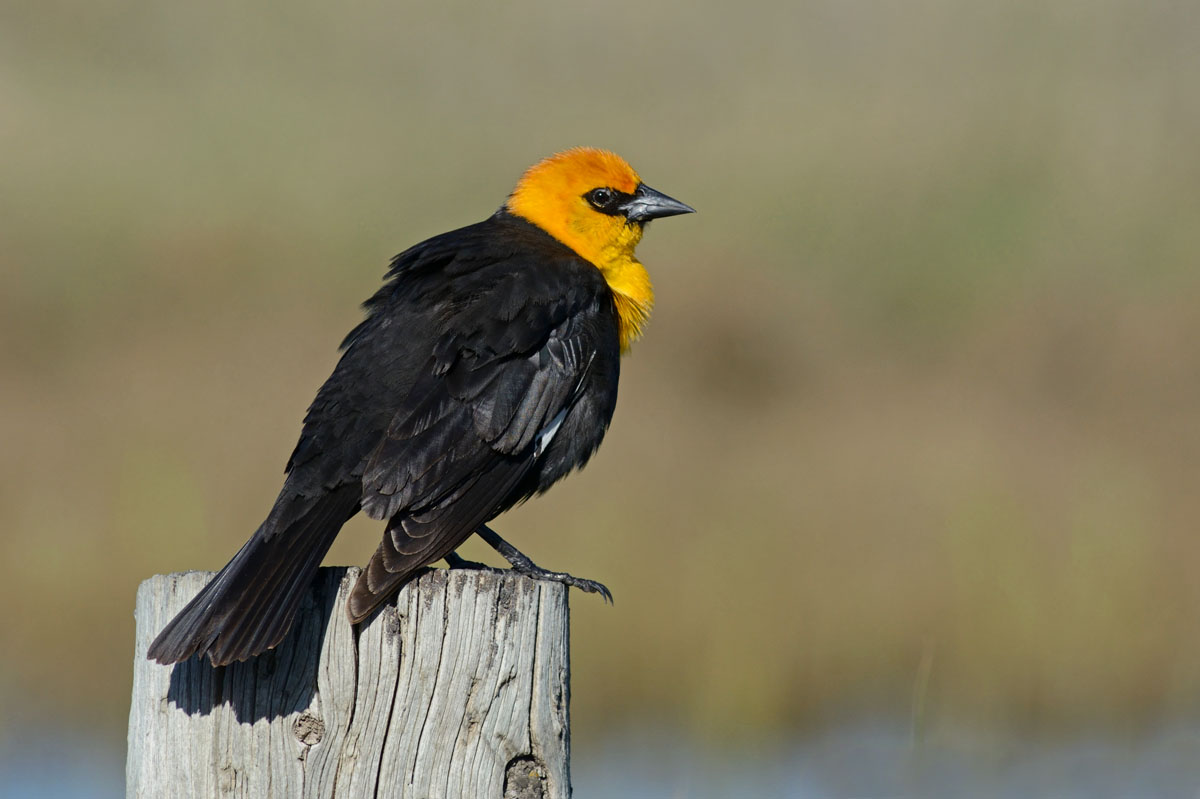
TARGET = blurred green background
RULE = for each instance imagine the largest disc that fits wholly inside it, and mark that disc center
(913, 434)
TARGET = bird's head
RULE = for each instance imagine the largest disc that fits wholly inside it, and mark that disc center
(592, 201)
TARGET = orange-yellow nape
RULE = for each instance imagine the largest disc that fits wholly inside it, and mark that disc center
(551, 196)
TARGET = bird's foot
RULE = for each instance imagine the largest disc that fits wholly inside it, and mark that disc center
(523, 565)
(590, 586)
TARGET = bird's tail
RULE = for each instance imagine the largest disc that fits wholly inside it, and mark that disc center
(251, 603)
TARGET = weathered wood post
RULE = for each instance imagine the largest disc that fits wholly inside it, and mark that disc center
(459, 690)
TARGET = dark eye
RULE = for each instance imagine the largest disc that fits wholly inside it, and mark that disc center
(602, 199)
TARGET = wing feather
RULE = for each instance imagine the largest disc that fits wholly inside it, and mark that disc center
(507, 368)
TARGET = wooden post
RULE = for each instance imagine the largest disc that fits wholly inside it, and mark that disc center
(459, 690)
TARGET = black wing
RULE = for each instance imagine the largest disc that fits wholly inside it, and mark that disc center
(516, 350)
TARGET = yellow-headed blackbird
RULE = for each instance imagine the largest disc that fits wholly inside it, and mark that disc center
(485, 370)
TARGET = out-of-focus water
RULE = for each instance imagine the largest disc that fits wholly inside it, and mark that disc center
(877, 760)
(59, 764)
(863, 761)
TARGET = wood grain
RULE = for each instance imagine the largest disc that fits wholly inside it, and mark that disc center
(460, 689)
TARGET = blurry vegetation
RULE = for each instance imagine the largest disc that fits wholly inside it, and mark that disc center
(922, 383)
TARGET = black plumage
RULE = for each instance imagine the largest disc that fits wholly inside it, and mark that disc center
(485, 370)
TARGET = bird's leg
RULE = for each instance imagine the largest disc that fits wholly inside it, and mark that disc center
(523, 565)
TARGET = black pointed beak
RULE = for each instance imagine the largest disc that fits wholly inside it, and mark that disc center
(649, 204)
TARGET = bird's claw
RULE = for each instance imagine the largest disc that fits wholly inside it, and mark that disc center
(523, 565)
(589, 586)
(530, 569)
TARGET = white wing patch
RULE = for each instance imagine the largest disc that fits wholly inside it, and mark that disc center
(547, 435)
(549, 431)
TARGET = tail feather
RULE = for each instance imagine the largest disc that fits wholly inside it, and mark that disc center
(379, 582)
(250, 605)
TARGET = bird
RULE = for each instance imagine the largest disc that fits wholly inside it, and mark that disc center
(485, 370)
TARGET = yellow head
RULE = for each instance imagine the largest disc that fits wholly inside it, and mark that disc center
(592, 201)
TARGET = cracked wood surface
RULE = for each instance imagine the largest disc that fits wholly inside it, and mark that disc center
(459, 689)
